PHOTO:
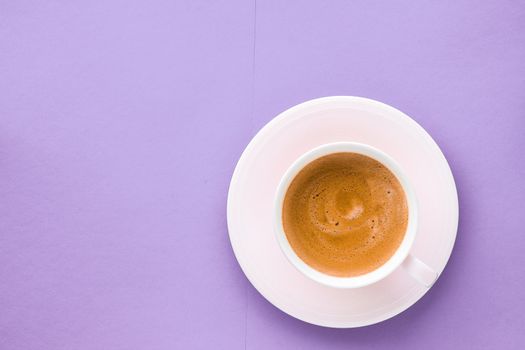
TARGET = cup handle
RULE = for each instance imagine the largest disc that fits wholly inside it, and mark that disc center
(420, 271)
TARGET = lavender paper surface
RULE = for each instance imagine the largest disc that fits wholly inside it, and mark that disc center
(121, 123)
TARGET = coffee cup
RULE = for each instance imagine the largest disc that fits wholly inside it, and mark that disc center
(401, 257)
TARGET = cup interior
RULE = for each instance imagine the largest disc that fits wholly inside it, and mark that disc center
(390, 265)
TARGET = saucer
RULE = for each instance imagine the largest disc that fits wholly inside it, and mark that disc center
(293, 133)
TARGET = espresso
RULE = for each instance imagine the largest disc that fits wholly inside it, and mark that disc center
(345, 214)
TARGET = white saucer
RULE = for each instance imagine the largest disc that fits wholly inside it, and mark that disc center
(270, 153)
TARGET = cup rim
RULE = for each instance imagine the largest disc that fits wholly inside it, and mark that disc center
(391, 264)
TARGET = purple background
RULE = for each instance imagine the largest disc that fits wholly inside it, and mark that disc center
(121, 123)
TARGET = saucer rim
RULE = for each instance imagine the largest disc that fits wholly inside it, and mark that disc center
(410, 298)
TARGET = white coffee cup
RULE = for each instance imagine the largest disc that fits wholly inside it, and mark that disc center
(402, 257)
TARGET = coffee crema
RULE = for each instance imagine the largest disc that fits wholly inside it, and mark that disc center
(345, 214)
